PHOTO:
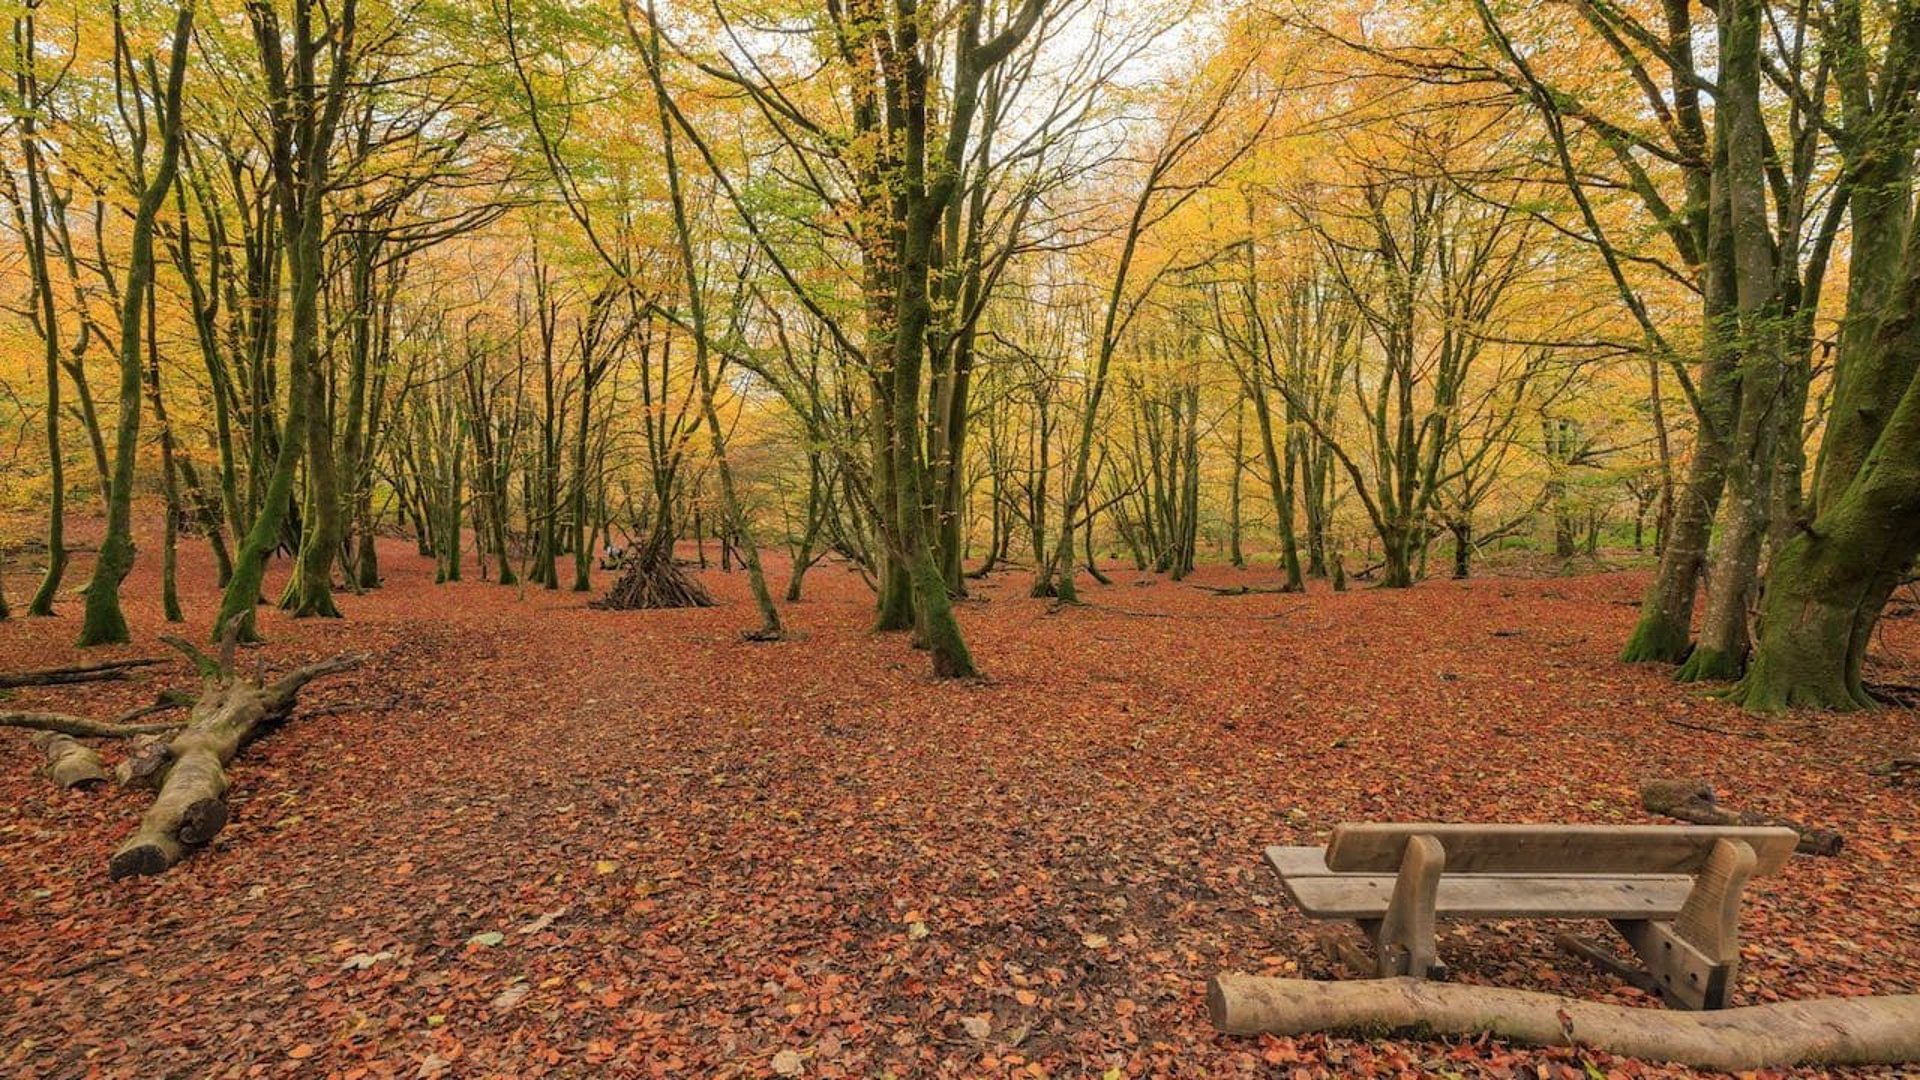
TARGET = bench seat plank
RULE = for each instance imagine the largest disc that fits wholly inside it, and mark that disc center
(1376, 848)
(1323, 894)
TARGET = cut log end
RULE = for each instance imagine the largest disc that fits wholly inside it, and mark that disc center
(202, 820)
(143, 856)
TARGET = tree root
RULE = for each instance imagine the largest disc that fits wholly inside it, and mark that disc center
(1826, 1031)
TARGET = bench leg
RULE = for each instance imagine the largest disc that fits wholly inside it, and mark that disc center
(1694, 959)
(1403, 939)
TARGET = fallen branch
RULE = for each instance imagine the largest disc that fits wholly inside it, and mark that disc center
(82, 728)
(1759, 736)
(1693, 801)
(1899, 769)
(191, 807)
(1894, 693)
(1826, 1031)
(1244, 590)
(111, 669)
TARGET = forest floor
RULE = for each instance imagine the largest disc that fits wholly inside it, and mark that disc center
(530, 838)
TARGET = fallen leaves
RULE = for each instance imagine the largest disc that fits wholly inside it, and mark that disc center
(808, 859)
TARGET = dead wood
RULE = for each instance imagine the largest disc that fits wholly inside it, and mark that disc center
(111, 669)
(145, 764)
(79, 726)
(1899, 769)
(1904, 694)
(652, 579)
(1244, 590)
(1756, 735)
(1694, 801)
(1825, 1031)
(70, 763)
(191, 806)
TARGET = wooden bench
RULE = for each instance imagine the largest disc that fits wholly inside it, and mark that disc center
(1672, 891)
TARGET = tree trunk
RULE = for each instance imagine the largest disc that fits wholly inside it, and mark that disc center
(1664, 631)
(104, 622)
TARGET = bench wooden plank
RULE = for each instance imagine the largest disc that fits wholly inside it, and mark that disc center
(1377, 848)
(1365, 896)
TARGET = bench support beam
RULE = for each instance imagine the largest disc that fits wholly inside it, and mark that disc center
(1403, 939)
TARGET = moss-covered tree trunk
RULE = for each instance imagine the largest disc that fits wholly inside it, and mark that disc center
(704, 375)
(104, 622)
(305, 117)
(33, 230)
(1828, 585)
(1758, 331)
(1664, 631)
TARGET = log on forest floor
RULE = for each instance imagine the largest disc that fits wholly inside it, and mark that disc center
(1903, 694)
(189, 769)
(1900, 770)
(70, 763)
(112, 669)
(1245, 590)
(1825, 1031)
(1693, 801)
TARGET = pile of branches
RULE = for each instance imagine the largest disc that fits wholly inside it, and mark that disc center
(184, 762)
(650, 578)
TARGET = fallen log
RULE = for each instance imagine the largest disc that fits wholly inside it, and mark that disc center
(1245, 590)
(1693, 801)
(1898, 769)
(1825, 1031)
(111, 669)
(191, 806)
(70, 763)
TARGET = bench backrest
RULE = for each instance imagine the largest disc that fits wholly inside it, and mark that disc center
(1554, 849)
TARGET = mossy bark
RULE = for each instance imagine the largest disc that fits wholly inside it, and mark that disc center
(1828, 585)
(1665, 625)
(104, 622)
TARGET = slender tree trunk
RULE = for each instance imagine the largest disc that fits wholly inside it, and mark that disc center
(737, 525)
(104, 622)
(34, 231)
